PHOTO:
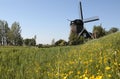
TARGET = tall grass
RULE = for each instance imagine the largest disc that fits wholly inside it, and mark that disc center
(97, 59)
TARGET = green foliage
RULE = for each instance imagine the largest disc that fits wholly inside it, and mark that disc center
(75, 40)
(30, 42)
(96, 59)
(98, 31)
(4, 33)
(40, 45)
(113, 30)
(16, 34)
(61, 43)
(19, 41)
(12, 36)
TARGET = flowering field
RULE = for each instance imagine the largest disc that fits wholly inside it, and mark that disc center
(97, 59)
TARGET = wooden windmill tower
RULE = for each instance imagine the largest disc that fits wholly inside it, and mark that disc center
(77, 25)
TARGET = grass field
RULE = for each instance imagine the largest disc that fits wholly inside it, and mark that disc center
(97, 59)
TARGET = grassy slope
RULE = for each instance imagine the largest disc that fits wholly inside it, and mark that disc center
(96, 59)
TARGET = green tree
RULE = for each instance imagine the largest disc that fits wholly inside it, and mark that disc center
(74, 39)
(30, 42)
(61, 42)
(113, 30)
(40, 45)
(98, 31)
(7, 30)
(1, 34)
(33, 42)
(15, 34)
(4, 30)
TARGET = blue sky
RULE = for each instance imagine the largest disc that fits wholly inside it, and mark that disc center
(48, 18)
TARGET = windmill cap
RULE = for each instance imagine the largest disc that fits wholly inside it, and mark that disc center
(77, 22)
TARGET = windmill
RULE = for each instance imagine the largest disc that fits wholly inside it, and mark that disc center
(77, 25)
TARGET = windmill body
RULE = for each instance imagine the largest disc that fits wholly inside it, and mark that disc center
(77, 25)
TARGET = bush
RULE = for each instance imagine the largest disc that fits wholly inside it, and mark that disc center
(77, 41)
(30, 42)
(39, 45)
(61, 43)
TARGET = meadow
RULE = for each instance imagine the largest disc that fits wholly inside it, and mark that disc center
(96, 59)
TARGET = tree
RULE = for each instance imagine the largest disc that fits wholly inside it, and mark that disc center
(98, 31)
(53, 42)
(40, 45)
(1, 31)
(61, 42)
(4, 30)
(7, 30)
(15, 34)
(30, 42)
(113, 30)
(33, 42)
(74, 39)
(10, 36)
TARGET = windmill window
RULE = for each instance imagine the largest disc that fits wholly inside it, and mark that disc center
(84, 34)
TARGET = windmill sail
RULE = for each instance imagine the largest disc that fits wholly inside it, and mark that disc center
(91, 19)
(81, 13)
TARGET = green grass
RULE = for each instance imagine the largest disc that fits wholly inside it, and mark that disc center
(97, 59)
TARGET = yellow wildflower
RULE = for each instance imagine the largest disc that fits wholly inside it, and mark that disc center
(71, 62)
(65, 77)
(70, 72)
(107, 68)
(90, 60)
(115, 63)
(86, 71)
(81, 77)
(85, 77)
(109, 75)
(78, 72)
(92, 77)
(98, 77)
